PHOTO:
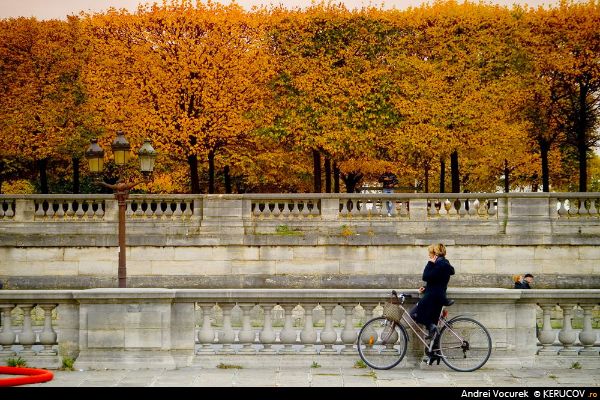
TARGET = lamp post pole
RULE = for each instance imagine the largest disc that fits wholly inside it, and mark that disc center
(95, 156)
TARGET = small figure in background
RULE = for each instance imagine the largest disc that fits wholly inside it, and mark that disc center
(523, 282)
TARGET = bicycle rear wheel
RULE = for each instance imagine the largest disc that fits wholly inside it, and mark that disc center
(382, 343)
(465, 344)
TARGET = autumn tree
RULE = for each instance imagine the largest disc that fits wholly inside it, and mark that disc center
(192, 77)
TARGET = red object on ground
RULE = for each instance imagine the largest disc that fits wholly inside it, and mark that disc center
(32, 375)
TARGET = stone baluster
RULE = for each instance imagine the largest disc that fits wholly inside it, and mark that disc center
(567, 335)
(177, 213)
(9, 213)
(148, 213)
(187, 213)
(349, 334)
(593, 208)
(328, 334)
(227, 335)
(588, 336)
(267, 334)
(256, 210)
(27, 335)
(583, 212)
(2, 203)
(491, 207)
(308, 336)
(70, 212)
(370, 332)
(562, 210)
(100, 209)
(159, 211)
(473, 207)
(449, 207)
(48, 335)
(79, 213)
(288, 334)
(462, 208)
(90, 210)
(403, 209)
(60, 211)
(50, 211)
(247, 335)
(547, 336)
(344, 208)
(364, 212)
(267, 210)
(139, 213)
(573, 208)
(432, 210)
(305, 211)
(315, 211)
(295, 209)
(206, 335)
(169, 209)
(39, 211)
(129, 209)
(7, 335)
(276, 211)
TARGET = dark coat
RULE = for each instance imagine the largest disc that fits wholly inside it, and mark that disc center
(522, 285)
(437, 276)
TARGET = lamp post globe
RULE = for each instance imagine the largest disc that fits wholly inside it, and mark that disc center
(95, 156)
(121, 148)
(147, 156)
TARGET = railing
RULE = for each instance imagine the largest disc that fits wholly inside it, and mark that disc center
(101, 322)
(7, 209)
(286, 208)
(68, 209)
(578, 205)
(157, 207)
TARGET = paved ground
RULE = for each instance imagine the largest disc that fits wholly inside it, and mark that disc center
(295, 376)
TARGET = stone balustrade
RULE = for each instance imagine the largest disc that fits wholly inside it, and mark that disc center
(167, 328)
(299, 240)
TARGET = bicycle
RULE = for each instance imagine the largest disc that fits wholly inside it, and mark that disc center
(462, 343)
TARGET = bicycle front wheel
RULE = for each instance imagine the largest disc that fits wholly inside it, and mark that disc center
(382, 343)
(465, 344)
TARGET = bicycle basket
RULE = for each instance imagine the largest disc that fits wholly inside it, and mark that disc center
(392, 310)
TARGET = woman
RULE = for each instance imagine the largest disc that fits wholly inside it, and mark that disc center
(437, 275)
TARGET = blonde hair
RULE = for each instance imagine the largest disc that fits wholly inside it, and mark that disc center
(438, 249)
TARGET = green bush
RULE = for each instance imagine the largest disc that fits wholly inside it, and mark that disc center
(16, 362)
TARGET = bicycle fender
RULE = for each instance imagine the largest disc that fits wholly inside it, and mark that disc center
(458, 316)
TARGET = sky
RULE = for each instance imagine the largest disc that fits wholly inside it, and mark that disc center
(59, 9)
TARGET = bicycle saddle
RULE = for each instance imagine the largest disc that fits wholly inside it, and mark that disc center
(449, 302)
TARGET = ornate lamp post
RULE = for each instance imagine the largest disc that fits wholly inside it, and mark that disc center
(121, 150)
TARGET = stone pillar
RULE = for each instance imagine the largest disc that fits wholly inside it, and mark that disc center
(24, 210)
(48, 335)
(227, 335)
(308, 336)
(247, 335)
(7, 335)
(330, 209)
(111, 213)
(222, 215)
(547, 336)
(288, 335)
(567, 335)
(588, 336)
(182, 329)
(349, 334)
(528, 215)
(27, 335)
(267, 334)
(68, 330)
(328, 334)
(206, 335)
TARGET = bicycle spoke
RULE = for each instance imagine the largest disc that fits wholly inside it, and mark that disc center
(381, 343)
(465, 344)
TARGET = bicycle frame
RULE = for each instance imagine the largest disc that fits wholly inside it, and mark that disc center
(420, 332)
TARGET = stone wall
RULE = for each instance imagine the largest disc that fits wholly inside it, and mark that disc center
(300, 241)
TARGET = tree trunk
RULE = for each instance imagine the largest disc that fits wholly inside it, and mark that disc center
(43, 169)
(506, 177)
(194, 177)
(544, 149)
(454, 172)
(327, 175)
(581, 129)
(351, 180)
(316, 171)
(442, 176)
(76, 180)
(336, 178)
(211, 172)
(227, 179)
